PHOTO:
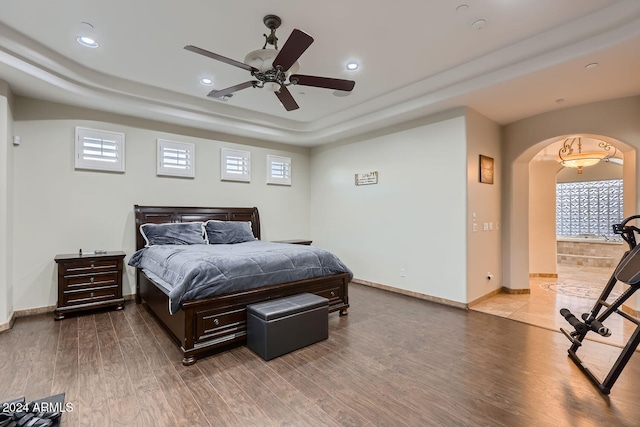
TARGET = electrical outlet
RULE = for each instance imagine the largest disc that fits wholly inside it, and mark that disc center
(491, 226)
(475, 227)
(403, 273)
(485, 226)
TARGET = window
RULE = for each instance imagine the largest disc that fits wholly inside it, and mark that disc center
(176, 158)
(235, 165)
(589, 207)
(278, 170)
(99, 150)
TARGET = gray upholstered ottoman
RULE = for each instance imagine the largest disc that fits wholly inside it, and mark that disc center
(279, 326)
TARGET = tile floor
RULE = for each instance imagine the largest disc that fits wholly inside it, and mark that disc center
(542, 306)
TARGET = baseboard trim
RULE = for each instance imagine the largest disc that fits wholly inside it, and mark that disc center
(486, 297)
(36, 311)
(511, 291)
(502, 290)
(9, 324)
(413, 294)
(552, 275)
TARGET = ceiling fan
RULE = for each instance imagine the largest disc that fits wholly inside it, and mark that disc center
(275, 69)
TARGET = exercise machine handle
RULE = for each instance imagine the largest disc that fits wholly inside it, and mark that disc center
(627, 231)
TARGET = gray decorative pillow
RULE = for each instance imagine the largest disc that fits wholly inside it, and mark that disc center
(226, 232)
(175, 233)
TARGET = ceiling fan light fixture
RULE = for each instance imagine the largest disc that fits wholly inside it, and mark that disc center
(262, 59)
(272, 86)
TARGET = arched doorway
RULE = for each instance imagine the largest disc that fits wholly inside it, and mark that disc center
(531, 224)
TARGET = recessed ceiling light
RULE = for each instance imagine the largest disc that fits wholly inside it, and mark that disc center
(206, 81)
(87, 41)
(592, 65)
(462, 8)
(86, 35)
(352, 66)
(479, 24)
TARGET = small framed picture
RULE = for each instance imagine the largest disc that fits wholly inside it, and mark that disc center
(486, 169)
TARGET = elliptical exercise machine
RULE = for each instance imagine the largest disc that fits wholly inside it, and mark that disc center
(628, 272)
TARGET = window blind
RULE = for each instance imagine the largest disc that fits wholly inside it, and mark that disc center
(101, 150)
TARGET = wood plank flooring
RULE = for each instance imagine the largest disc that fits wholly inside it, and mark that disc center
(392, 361)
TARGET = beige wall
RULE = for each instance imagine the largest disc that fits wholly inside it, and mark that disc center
(542, 216)
(413, 219)
(6, 192)
(543, 176)
(60, 210)
(483, 200)
(618, 119)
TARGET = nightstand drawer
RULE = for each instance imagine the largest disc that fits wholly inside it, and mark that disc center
(90, 280)
(91, 295)
(88, 266)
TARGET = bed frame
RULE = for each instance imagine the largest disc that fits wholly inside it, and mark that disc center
(218, 322)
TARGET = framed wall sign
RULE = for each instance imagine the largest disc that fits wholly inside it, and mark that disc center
(486, 169)
(367, 178)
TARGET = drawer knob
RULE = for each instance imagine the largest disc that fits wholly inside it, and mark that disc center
(91, 294)
(333, 294)
(91, 279)
(216, 322)
(93, 265)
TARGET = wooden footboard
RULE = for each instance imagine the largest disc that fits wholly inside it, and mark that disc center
(214, 323)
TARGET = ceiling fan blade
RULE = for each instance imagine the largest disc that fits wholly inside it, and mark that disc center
(295, 46)
(323, 82)
(287, 99)
(221, 58)
(230, 90)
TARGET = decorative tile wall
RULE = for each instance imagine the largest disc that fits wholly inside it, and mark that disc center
(589, 207)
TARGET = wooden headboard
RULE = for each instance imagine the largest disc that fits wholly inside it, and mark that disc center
(164, 214)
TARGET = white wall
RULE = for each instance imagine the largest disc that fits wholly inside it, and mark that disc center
(6, 192)
(483, 246)
(413, 219)
(58, 209)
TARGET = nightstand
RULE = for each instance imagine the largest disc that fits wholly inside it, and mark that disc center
(89, 281)
(294, 242)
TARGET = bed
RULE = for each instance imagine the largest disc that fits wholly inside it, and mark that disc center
(213, 323)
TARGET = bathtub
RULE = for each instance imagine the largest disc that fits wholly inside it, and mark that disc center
(588, 238)
(590, 250)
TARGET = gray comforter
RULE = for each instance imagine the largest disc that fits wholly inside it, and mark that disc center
(198, 271)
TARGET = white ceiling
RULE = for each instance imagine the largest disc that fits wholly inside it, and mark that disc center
(416, 58)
